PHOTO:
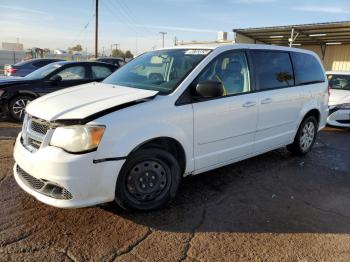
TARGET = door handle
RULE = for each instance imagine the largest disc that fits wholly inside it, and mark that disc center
(249, 104)
(266, 101)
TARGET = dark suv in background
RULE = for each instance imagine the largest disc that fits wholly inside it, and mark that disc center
(17, 92)
(119, 62)
(26, 67)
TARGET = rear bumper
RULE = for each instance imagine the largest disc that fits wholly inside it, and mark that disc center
(88, 184)
(339, 117)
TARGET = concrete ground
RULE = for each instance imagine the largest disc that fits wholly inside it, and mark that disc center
(269, 208)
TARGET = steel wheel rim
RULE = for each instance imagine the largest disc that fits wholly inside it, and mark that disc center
(146, 180)
(307, 136)
(19, 106)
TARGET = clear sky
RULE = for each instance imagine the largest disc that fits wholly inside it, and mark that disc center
(135, 24)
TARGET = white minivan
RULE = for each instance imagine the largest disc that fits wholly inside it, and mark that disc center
(166, 114)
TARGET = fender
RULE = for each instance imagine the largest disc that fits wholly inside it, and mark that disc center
(26, 92)
(310, 105)
(126, 142)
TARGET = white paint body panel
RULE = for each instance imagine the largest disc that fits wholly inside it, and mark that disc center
(84, 100)
(212, 133)
(338, 97)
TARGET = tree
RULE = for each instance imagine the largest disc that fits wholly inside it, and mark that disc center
(128, 54)
(78, 48)
(117, 53)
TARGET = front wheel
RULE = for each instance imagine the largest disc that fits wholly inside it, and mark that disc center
(305, 137)
(149, 180)
(17, 107)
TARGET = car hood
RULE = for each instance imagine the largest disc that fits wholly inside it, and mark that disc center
(339, 97)
(83, 101)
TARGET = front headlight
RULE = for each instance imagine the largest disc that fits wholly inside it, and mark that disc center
(344, 106)
(77, 139)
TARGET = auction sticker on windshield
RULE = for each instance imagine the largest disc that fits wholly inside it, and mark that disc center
(197, 52)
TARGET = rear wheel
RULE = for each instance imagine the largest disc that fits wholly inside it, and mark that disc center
(149, 180)
(305, 137)
(17, 107)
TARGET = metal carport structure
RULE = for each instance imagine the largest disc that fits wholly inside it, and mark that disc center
(330, 40)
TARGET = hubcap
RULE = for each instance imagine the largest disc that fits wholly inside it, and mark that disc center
(19, 107)
(307, 136)
(146, 180)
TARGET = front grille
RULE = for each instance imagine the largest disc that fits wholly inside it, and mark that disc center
(34, 143)
(29, 180)
(42, 186)
(34, 132)
(39, 126)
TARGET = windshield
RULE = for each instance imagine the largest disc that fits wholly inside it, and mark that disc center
(43, 71)
(159, 70)
(339, 82)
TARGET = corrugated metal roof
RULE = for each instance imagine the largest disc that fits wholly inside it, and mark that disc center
(308, 34)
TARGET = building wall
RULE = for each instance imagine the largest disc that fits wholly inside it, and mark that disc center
(12, 46)
(337, 57)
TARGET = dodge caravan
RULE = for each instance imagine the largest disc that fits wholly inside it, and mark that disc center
(167, 114)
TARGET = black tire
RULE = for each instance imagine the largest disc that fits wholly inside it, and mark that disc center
(148, 180)
(17, 107)
(301, 146)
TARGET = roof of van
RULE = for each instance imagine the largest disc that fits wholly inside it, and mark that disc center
(240, 46)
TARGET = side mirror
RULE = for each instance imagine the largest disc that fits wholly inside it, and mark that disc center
(56, 78)
(210, 89)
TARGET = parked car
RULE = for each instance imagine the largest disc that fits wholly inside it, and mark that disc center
(26, 67)
(339, 100)
(17, 92)
(133, 137)
(112, 60)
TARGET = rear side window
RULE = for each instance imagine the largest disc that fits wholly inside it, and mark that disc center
(73, 73)
(100, 72)
(307, 69)
(273, 69)
(39, 64)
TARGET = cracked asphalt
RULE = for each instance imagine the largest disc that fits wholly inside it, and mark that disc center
(269, 208)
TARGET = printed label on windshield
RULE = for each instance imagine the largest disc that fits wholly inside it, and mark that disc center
(197, 52)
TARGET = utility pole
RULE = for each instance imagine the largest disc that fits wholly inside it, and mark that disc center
(163, 34)
(116, 47)
(175, 41)
(96, 30)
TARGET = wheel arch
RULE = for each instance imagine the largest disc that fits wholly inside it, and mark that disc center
(168, 144)
(310, 112)
(22, 93)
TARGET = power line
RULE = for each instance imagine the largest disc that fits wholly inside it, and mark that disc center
(130, 15)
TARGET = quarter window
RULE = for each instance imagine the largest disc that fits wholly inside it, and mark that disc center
(273, 69)
(231, 69)
(73, 73)
(99, 72)
(307, 69)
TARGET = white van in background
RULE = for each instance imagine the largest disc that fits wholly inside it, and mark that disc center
(339, 100)
(134, 136)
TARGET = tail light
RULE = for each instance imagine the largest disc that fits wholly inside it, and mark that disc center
(10, 71)
(329, 89)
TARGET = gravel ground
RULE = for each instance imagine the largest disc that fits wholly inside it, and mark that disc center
(269, 208)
